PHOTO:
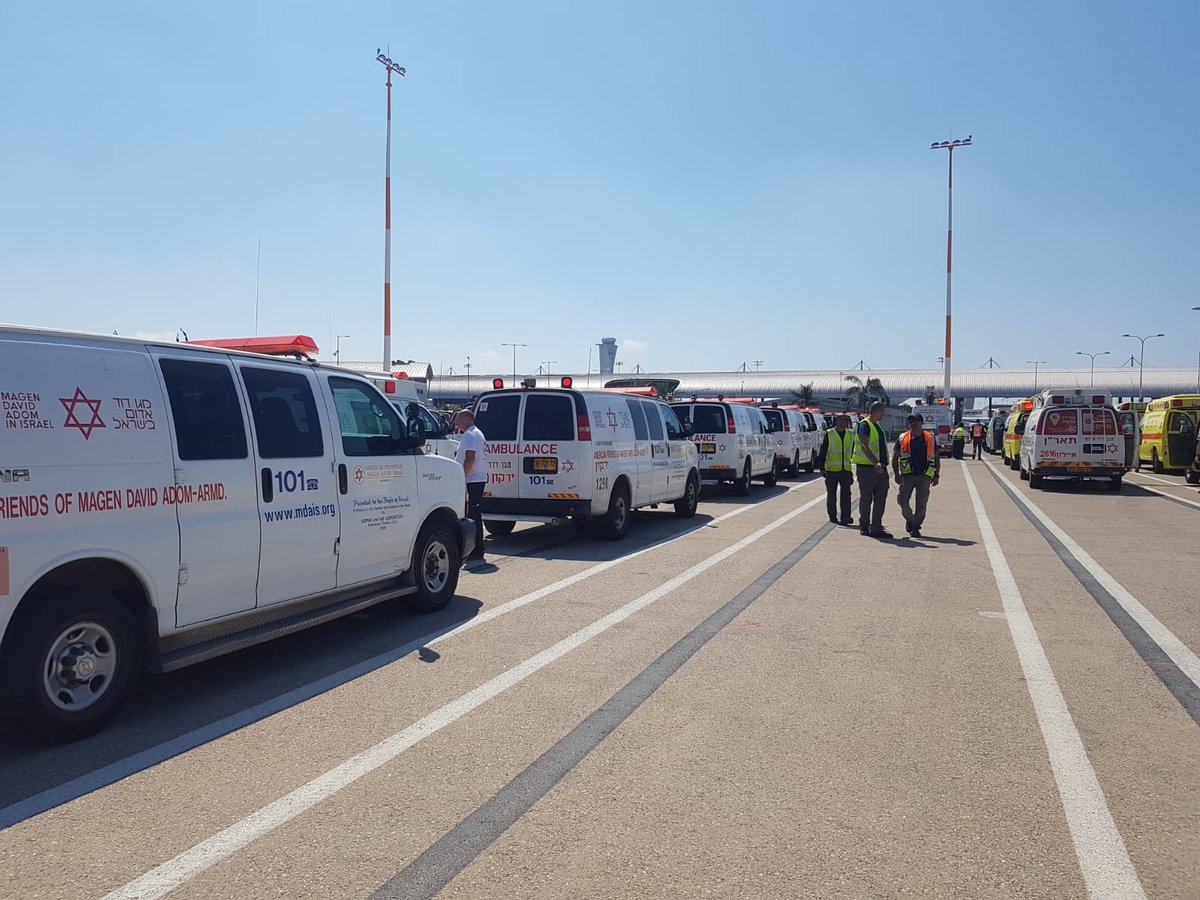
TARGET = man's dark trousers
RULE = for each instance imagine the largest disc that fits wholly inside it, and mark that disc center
(475, 513)
(833, 482)
(978, 448)
(872, 495)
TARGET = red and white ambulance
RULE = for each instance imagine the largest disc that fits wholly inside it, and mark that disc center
(1072, 434)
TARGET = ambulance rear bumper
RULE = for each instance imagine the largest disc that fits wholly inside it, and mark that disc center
(516, 508)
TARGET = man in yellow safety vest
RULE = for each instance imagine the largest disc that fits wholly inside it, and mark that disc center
(916, 465)
(870, 467)
(835, 459)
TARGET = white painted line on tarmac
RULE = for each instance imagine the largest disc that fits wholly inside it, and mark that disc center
(1153, 490)
(144, 759)
(1104, 861)
(1187, 661)
(165, 878)
(1155, 478)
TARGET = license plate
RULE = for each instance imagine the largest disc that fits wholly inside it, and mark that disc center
(541, 465)
(1079, 468)
(708, 447)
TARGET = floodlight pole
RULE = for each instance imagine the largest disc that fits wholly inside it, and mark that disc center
(949, 146)
(387, 215)
(1142, 359)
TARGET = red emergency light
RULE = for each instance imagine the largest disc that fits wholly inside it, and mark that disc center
(1057, 399)
(283, 345)
(497, 383)
(1028, 404)
(403, 375)
(1098, 399)
(389, 387)
(567, 381)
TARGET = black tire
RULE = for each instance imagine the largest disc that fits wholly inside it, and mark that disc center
(795, 469)
(741, 487)
(615, 523)
(685, 506)
(1035, 480)
(1156, 463)
(71, 665)
(1114, 483)
(435, 564)
(771, 478)
(812, 462)
(501, 528)
(1021, 470)
(1192, 476)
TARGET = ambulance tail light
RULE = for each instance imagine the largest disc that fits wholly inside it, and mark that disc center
(730, 425)
(1028, 404)
(1098, 399)
(1058, 400)
(787, 425)
(567, 381)
(389, 387)
(497, 383)
(1177, 403)
(583, 426)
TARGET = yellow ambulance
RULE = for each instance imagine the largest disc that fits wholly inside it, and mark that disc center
(1169, 433)
(1014, 430)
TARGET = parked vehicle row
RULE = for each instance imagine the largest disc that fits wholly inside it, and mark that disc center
(1071, 434)
(163, 504)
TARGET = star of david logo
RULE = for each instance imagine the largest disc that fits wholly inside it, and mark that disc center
(568, 466)
(72, 404)
(612, 420)
(360, 475)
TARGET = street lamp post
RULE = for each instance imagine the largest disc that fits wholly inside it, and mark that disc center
(514, 346)
(387, 214)
(337, 348)
(1035, 363)
(1093, 356)
(468, 379)
(1142, 359)
(1197, 309)
(949, 146)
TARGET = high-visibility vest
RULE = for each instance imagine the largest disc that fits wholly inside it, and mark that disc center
(976, 430)
(905, 458)
(840, 452)
(875, 442)
(959, 434)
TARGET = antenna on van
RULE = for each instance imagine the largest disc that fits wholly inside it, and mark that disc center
(178, 333)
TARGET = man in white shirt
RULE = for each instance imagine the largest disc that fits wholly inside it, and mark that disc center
(472, 456)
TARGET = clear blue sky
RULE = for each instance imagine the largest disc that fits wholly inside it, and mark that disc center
(710, 183)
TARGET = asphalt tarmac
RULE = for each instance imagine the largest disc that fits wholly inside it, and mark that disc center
(750, 703)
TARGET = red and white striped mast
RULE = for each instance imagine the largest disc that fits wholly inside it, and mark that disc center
(387, 216)
(950, 146)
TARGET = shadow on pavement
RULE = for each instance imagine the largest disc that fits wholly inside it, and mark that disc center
(221, 695)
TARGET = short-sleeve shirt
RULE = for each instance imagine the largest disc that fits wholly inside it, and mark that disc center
(473, 439)
(918, 455)
(866, 438)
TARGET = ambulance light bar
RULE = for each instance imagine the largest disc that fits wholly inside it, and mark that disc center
(285, 345)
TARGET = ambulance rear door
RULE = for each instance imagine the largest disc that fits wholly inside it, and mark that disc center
(552, 460)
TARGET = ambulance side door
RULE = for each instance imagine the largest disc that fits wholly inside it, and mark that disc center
(297, 491)
(214, 493)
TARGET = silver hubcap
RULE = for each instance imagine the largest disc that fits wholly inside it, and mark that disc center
(80, 666)
(437, 566)
(619, 512)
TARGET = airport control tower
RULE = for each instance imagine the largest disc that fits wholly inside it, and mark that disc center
(608, 355)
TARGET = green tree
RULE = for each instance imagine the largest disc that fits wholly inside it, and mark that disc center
(856, 393)
(804, 396)
(874, 389)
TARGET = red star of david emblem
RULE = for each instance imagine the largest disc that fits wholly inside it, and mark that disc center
(612, 420)
(72, 404)
(359, 475)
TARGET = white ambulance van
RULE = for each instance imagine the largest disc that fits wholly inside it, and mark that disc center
(557, 453)
(1072, 434)
(792, 438)
(733, 441)
(163, 504)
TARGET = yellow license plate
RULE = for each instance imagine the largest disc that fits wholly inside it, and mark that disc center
(546, 464)
(708, 447)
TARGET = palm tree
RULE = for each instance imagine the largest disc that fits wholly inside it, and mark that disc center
(804, 396)
(856, 394)
(874, 388)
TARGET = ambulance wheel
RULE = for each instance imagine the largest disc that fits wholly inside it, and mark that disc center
(1192, 476)
(435, 567)
(615, 522)
(1114, 483)
(1155, 462)
(685, 506)
(1021, 470)
(72, 664)
(742, 486)
(1035, 480)
(496, 527)
(811, 464)
(794, 469)
(771, 479)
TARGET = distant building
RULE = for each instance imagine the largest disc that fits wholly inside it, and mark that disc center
(608, 355)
